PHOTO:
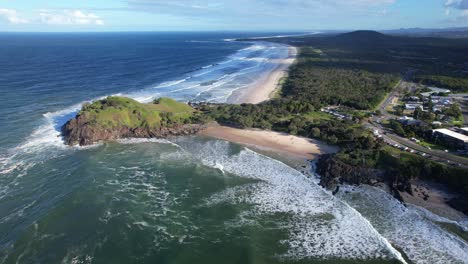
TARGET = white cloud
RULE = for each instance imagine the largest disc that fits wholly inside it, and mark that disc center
(12, 16)
(460, 8)
(239, 8)
(459, 4)
(69, 17)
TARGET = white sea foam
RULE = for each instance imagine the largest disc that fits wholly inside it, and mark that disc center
(170, 83)
(321, 226)
(132, 141)
(462, 223)
(421, 239)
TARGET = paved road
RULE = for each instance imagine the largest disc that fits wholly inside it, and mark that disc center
(394, 93)
(392, 139)
(436, 155)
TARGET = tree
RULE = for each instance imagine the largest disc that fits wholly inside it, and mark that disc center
(454, 111)
(315, 132)
(417, 113)
(398, 128)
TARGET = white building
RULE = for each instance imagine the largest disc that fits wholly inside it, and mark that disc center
(451, 137)
(413, 106)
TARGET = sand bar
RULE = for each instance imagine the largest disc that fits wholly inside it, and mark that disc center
(265, 87)
(299, 147)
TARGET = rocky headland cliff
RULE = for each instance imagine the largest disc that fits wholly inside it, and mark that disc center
(119, 117)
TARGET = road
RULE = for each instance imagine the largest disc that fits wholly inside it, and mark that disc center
(393, 94)
(391, 138)
(435, 155)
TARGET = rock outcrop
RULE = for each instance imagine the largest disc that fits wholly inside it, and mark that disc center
(334, 172)
(79, 131)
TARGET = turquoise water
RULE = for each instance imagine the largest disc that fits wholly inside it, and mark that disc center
(182, 200)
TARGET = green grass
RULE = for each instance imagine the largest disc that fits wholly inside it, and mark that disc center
(170, 105)
(459, 121)
(318, 115)
(114, 112)
(431, 145)
(403, 155)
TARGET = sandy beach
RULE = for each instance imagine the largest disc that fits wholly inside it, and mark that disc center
(265, 87)
(298, 147)
(270, 141)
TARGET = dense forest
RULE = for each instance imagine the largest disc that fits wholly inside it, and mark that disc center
(330, 85)
(438, 61)
(456, 84)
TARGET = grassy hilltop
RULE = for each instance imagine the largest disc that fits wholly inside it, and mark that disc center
(115, 112)
(119, 117)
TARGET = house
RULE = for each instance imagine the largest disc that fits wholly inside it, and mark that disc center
(438, 108)
(441, 100)
(451, 137)
(405, 120)
(413, 106)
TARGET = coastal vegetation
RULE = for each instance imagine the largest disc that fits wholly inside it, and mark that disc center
(319, 79)
(117, 117)
(113, 112)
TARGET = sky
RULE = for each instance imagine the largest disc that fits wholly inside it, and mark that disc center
(229, 15)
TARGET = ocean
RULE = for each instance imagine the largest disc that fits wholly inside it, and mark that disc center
(184, 200)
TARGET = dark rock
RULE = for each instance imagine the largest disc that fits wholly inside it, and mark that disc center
(336, 190)
(460, 203)
(79, 131)
(334, 172)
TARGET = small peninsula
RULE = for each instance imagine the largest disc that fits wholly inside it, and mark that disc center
(120, 117)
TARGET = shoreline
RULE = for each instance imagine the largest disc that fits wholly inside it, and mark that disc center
(293, 147)
(433, 197)
(263, 89)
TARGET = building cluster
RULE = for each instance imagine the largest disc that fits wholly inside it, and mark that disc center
(438, 104)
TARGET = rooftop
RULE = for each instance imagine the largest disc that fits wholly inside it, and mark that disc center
(453, 134)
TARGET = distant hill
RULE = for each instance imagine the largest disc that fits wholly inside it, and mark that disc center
(362, 38)
(360, 34)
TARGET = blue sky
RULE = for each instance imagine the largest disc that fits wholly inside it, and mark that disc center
(244, 15)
